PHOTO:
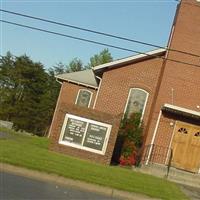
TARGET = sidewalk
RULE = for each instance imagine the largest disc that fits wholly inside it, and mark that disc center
(72, 183)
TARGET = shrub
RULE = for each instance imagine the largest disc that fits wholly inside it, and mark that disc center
(131, 130)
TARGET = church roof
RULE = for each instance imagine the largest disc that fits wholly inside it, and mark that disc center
(86, 78)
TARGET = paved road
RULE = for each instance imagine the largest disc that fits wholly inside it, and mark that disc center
(192, 192)
(13, 187)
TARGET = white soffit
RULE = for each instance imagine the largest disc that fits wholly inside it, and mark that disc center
(181, 111)
(130, 59)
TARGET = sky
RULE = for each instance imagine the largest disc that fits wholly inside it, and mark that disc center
(144, 20)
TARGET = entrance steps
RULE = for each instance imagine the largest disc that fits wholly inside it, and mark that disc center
(171, 174)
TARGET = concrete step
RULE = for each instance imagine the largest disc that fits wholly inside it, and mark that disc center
(176, 173)
(173, 174)
(185, 181)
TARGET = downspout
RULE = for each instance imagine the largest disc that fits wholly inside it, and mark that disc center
(100, 79)
(58, 100)
(153, 138)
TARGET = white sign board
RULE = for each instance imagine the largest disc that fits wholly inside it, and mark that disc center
(85, 134)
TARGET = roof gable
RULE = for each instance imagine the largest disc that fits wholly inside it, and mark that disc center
(86, 78)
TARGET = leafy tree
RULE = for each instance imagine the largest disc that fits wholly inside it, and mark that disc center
(75, 65)
(98, 59)
(59, 68)
(23, 88)
(7, 85)
(28, 93)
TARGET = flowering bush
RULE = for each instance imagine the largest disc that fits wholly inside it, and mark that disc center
(131, 129)
(128, 156)
(127, 161)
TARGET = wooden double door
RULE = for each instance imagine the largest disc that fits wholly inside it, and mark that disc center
(186, 147)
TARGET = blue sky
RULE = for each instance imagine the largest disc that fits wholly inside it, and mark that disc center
(145, 20)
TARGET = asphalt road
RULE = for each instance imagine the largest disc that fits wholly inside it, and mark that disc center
(14, 187)
(192, 192)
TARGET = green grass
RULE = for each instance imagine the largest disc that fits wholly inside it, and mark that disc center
(32, 152)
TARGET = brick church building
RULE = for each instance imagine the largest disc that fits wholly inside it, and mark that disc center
(164, 85)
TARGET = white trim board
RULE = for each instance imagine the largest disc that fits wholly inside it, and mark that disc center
(127, 60)
(181, 109)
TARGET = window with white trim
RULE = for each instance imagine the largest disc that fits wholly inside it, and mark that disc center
(136, 102)
(84, 98)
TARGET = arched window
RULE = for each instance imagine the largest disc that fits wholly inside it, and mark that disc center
(84, 98)
(136, 102)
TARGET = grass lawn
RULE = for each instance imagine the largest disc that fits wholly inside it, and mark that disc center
(32, 152)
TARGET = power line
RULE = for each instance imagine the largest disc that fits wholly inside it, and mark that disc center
(95, 42)
(96, 32)
(69, 36)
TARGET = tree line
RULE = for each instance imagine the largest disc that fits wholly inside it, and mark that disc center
(28, 92)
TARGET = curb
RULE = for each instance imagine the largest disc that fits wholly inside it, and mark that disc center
(42, 176)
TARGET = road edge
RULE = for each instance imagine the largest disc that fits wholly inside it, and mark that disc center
(42, 176)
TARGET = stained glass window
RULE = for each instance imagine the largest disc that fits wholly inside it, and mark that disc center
(136, 101)
(84, 97)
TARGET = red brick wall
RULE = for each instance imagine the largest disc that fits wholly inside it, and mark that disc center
(184, 79)
(116, 84)
(89, 114)
(68, 94)
(70, 91)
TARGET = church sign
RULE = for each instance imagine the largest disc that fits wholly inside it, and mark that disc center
(86, 134)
